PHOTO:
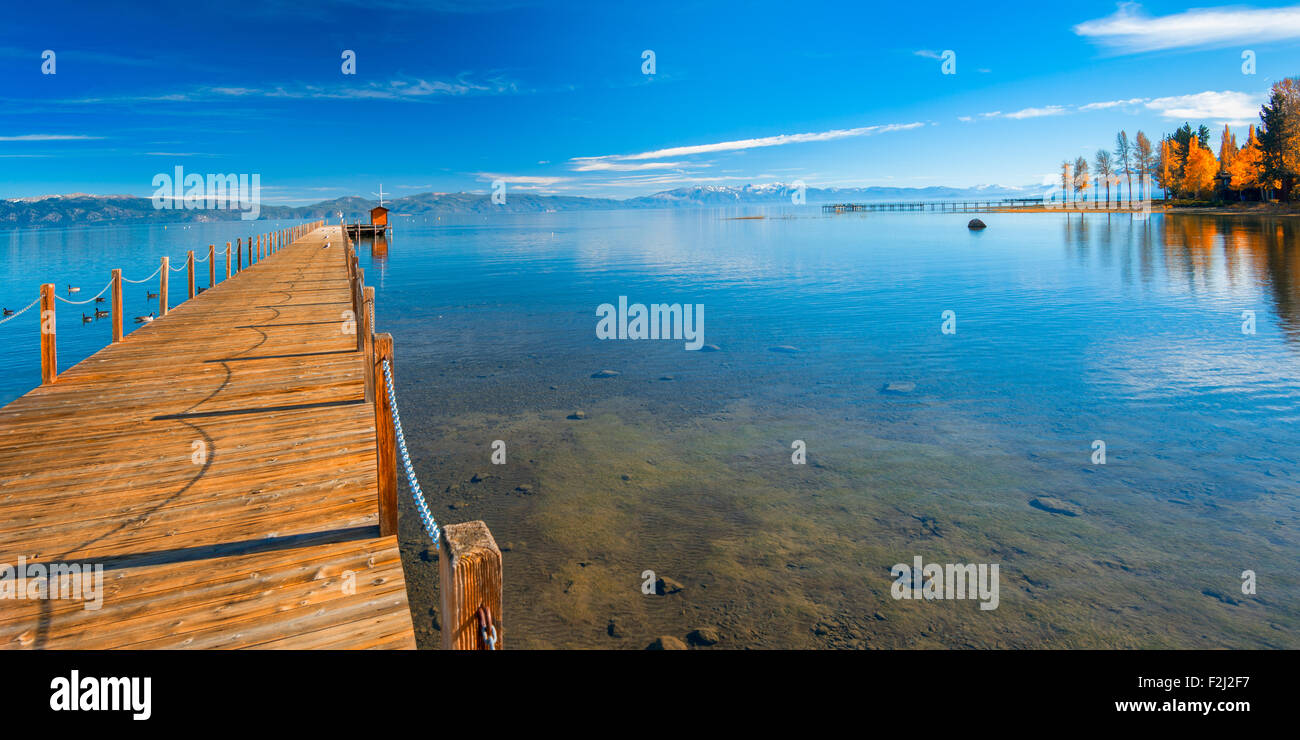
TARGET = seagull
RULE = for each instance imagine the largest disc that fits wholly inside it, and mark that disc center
(73, 289)
(144, 319)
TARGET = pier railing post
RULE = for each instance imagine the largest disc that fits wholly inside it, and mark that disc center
(250, 251)
(190, 265)
(239, 254)
(227, 260)
(385, 437)
(469, 577)
(212, 265)
(164, 273)
(117, 305)
(359, 303)
(49, 353)
(367, 337)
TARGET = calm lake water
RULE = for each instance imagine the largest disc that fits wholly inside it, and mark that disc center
(1068, 331)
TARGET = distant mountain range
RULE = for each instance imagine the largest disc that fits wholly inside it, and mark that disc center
(81, 208)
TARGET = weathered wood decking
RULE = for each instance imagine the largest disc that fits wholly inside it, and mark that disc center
(220, 464)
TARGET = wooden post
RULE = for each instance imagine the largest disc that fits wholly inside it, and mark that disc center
(212, 265)
(385, 437)
(250, 251)
(164, 273)
(227, 260)
(49, 353)
(359, 302)
(469, 577)
(190, 263)
(239, 254)
(366, 339)
(117, 305)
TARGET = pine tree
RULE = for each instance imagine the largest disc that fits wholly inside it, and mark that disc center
(1279, 136)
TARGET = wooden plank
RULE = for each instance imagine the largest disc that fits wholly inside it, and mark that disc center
(183, 453)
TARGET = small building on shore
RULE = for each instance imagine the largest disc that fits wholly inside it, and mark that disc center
(379, 216)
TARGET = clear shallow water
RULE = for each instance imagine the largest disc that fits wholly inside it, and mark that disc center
(1069, 330)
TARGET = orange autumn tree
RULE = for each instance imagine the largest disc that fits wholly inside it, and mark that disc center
(1199, 171)
(1227, 149)
(1167, 174)
(1247, 168)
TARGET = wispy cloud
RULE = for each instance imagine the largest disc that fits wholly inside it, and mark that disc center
(406, 89)
(1049, 110)
(928, 54)
(1219, 107)
(1130, 30)
(49, 137)
(742, 144)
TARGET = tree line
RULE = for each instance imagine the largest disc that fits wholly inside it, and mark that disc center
(1265, 167)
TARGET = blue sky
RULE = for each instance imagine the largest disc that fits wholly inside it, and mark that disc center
(452, 94)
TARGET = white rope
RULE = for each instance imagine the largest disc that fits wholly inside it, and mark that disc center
(177, 269)
(151, 277)
(21, 310)
(205, 259)
(88, 300)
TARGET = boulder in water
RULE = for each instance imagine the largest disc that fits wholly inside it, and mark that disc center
(976, 224)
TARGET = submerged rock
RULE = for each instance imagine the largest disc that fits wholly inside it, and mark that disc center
(478, 478)
(704, 636)
(524, 488)
(976, 224)
(578, 415)
(666, 642)
(898, 387)
(665, 586)
(1056, 506)
(605, 374)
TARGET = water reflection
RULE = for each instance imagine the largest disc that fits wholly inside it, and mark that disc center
(1211, 256)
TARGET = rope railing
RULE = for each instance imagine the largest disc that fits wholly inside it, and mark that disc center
(268, 244)
(20, 311)
(92, 299)
(145, 280)
(417, 493)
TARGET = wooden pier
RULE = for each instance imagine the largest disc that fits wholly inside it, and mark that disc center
(230, 466)
(948, 206)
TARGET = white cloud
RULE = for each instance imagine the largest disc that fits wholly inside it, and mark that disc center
(48, 137)
(604, 165)
(928, 54)
(518, 180)
(1221, 107)
(741, 144)
(1130, 30)
(1050, 110)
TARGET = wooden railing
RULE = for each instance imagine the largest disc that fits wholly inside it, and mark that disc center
(469, 561)
(49, 297)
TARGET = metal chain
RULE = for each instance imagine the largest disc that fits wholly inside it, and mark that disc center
(88, 300)
(422, 506)
(21, 311)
